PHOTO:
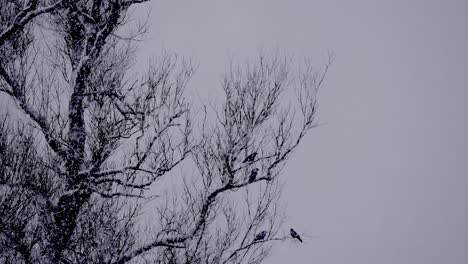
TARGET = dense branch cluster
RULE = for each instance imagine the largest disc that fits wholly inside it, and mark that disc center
(80, 169)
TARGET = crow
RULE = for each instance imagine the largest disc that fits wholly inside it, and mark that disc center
(295, 235)
(250, 158)
(260, 236)
(253, 175)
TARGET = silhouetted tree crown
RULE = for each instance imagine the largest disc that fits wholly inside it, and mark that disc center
(95, 149)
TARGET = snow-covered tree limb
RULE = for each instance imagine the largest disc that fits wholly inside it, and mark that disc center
(26, 15)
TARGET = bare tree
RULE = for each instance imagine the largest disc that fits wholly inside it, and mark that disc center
(95, 142)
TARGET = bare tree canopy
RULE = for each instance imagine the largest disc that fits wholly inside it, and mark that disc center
(96, 142)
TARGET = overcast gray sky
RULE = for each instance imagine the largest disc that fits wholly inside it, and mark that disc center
(384, 179)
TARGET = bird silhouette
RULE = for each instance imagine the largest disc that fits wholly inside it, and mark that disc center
(253, 175)
(250, 158)
(295, 235)
(260, 236)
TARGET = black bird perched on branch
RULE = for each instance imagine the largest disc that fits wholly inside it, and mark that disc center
(253, 175)
(295, 235)
(260, 236)
(250, 158)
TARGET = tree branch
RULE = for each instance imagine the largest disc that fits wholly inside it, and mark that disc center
(26, 15)
(44, 126)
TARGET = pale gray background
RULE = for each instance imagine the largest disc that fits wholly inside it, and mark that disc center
(385, 179)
